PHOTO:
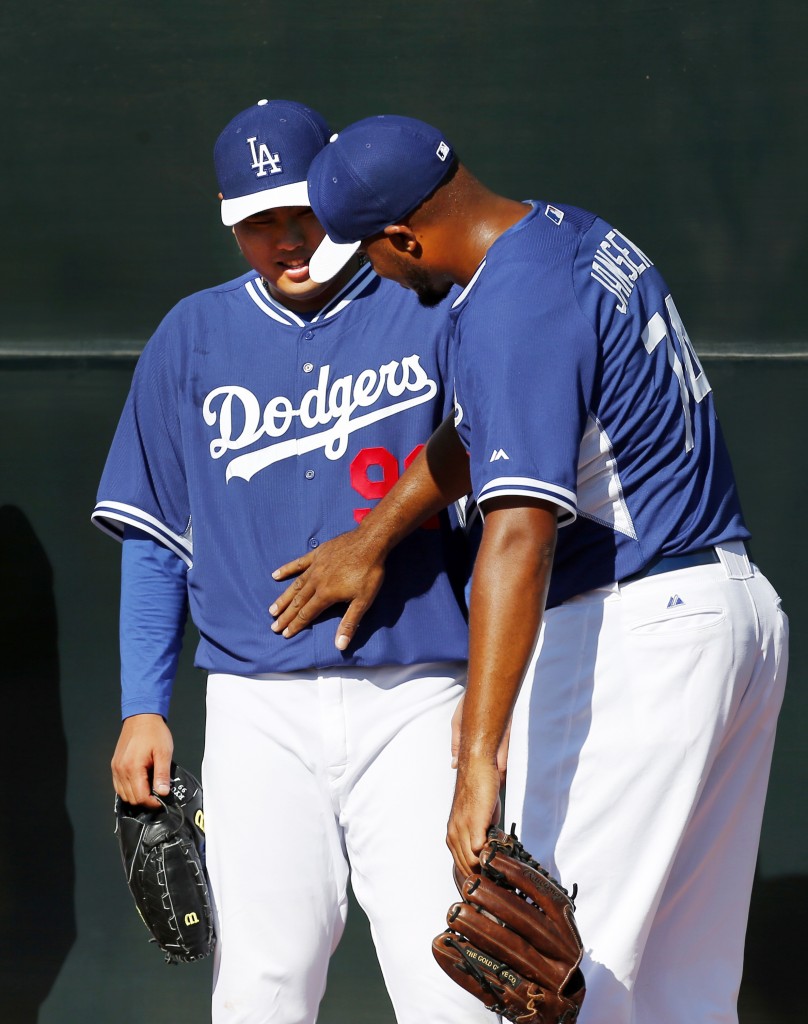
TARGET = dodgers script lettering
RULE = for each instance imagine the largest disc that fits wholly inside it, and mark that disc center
(242, 422)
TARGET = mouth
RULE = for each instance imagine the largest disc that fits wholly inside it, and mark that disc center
(295, 270)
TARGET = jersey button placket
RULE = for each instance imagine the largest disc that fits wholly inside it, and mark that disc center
(308, 367)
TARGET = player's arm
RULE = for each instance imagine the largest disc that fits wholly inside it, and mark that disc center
(350, 568)
(509, 589)
(152, 620)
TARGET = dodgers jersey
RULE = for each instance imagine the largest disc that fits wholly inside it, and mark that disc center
(250, 435)
(576, 383)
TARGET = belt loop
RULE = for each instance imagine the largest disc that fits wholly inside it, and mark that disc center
(735, 560)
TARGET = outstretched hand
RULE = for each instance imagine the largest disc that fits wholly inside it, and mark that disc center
(345, 569)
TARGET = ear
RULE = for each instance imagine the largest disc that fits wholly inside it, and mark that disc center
(238, 243)
(402, 237)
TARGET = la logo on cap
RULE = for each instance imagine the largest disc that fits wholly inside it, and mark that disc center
(262, 158)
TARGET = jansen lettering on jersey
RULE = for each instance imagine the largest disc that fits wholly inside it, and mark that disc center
(331, 404)
(617, 266)
(262, 158)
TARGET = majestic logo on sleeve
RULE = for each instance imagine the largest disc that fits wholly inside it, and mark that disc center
(263, 158)
(617, 265)
(336, 406)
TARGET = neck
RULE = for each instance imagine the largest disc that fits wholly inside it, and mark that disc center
(471, 219)
(490, 225)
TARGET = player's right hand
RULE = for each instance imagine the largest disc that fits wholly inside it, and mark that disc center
(345, 569)
(142, 759)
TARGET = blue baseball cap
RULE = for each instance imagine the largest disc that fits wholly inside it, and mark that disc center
(262, 157)
(373, 173)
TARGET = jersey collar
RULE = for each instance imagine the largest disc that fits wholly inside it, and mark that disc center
(359, 283)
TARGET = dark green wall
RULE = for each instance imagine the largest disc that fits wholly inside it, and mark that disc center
(682, 122)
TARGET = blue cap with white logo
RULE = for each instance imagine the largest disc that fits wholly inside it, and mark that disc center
(373, 173)
(262, 157)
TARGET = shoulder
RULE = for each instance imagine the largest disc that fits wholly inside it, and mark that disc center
(202, 307)
(211, 297)
(549, 236)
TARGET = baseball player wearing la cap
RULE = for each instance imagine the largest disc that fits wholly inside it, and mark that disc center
(265, 415)
(642, 735)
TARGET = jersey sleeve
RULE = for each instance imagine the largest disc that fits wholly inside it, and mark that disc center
(153, 612)
(525, 376)
(143, 483)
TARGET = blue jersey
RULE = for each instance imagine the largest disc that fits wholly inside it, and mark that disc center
(251, 435)
(576, 383)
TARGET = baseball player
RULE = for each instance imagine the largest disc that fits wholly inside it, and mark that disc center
(266, 415)
(642, 736)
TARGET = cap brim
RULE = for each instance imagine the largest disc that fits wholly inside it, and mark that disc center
(329, 258)
(294, 194)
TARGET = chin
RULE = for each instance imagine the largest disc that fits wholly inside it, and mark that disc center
(429, 291)
(430, 297)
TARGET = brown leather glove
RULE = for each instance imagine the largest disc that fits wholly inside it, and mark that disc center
(513, 941)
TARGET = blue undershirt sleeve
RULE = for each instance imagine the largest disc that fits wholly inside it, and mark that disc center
(154, 609)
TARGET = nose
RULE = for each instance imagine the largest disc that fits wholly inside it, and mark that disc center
(291, 237)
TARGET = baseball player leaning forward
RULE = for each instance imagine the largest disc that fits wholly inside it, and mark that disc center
(643, 732)
(266, 415)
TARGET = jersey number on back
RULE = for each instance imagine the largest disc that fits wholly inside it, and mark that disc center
(382, 465)
(688, 370)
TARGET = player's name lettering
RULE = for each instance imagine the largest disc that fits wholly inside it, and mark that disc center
(330, 404)
(617, 265)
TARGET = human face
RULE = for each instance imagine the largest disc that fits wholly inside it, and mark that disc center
(279, 243)
(402, 268)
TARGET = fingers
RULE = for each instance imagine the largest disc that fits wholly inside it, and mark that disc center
(465, 841)
(161, 782)
(294, 568)
(334, 574)
(143, 752)
(297, 607)
(475, 807)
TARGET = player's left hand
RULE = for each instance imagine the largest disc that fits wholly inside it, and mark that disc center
(345, 569)
(475, 806)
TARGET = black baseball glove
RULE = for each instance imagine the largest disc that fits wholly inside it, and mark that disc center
(513, 941)
(163, 854)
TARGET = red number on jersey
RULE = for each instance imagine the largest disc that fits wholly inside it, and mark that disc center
(373, 473)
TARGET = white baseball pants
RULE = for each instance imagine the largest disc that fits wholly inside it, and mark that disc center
(638, 768)
(307, 777)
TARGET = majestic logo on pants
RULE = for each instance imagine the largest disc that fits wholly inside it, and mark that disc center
(333, 405)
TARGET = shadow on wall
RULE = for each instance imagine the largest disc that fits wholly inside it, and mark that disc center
(37, 876)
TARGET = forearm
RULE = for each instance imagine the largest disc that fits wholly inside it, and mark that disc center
(509, 589)
(152, 620)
